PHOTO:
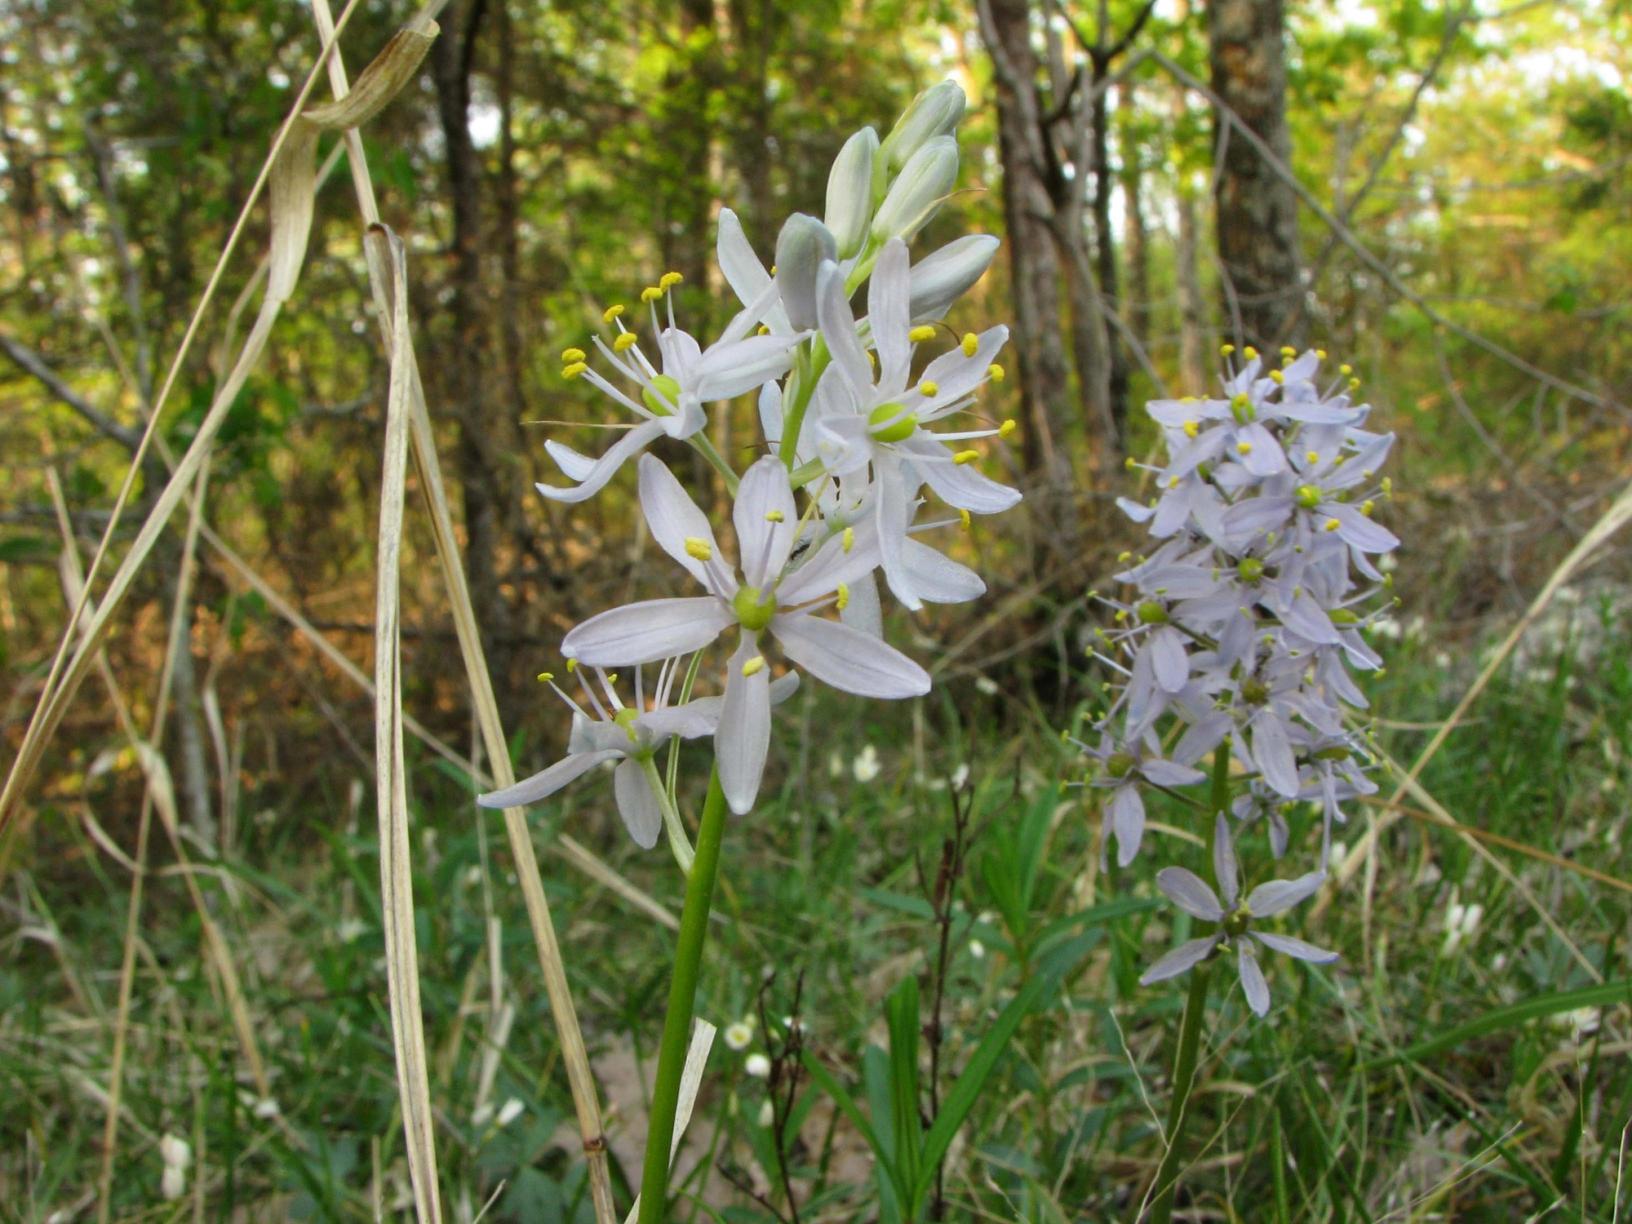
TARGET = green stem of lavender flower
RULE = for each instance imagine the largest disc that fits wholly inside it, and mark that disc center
(1195, 1007)
(1184, 1078)
(793, 420)
(688, 957)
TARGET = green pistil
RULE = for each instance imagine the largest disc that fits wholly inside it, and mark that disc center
(752, 614)
(1120, 765)
(1242, 410)
(1343, 616)
(625, 718)
(1309, 496)
(1237, 922)
(1151, 613)
(666, 386)
(1250, 569)
(891, 423)
(1254, 692)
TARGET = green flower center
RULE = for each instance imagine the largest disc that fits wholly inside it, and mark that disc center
(1309, 496)
(1151, 613)
(668, 387)
(1251, 569)
(891, 422)
(1237, 922)
(1344, 616)
(1120, 765)
(1242, 410)
(625, 718)
(1254, 692)
(753, 613)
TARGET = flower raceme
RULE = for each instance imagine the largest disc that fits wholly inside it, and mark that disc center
(1244, 628)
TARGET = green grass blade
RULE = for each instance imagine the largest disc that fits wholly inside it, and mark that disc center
(1511, 1017)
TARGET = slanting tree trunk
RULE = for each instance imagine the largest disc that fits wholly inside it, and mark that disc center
(1257, 209)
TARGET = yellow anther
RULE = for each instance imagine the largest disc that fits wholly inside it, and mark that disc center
(1243, 448)
(969, 343)
(545, 677)
(1354, 384)
(1288, 351)
(1121, 615)
(1311, 456)
(764, 330)
(1007, 428)
(1320, 354)
(573, 370)
(1367, 507)
(843, 600)
(848, 539)
(929, 387)
(572, 666)
(625, 342)
(572, 354)
(1388, 486)
(612, 680)
(1192, 428)
(968, 456)
(1225, 350)
(964, 520)
(669, 280)
(1131, 464)
(775, 516)
(1123, 557)
(1345, 369)
(699, 548)
(1250, 353)
(1172, 482)
(872, 360)
(1276, 376)
(754, 666)
(612, 312)
(921, 333)
(651, 293)
(995, 372)
(1332, 524)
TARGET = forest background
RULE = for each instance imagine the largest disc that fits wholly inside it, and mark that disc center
(1437, 194)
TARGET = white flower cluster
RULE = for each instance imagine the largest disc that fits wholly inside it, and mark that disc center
(1245, 622)
(852, 438)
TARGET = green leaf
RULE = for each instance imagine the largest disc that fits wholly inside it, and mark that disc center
(1511, 1017)
(966, 1091)
(852, 1112)
(901, 1009)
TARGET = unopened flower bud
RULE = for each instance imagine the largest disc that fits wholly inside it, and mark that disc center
(923, 183)
(933, 113)
(941, 278)
(800, 249)
(850, 191)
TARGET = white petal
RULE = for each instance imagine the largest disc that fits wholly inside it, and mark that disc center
(1127, 822)
(738, 263)
(602, 470)
(1170, 773)
(832, 564)
(887, 300)
(1171, 663)
(936, 577)
(847, 658)
(573, 465)
(728, 370)
(864, 613)
(1252, 979)
(674, 518)
(1225, 869)
(744, 738)
(545, 783)
(1295, 947)
(1187, 891)
(646, 632)
(957, 484)
(1275, 896)
(1185, 956)
(765, 518)
(839, 329)
(770, 414)
(636, 804)
(689, 721)
(1272, 753)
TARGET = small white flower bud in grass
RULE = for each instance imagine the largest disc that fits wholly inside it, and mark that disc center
(509, 1112)
(767, 1115)
(800, 249)
(977, 949)
(758, 1066)
(739, 1034)
(924, 182)
(850, 191)
(866, 766)
(935, 112)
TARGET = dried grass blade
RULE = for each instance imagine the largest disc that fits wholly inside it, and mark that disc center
(691, 1079)
(390, 774)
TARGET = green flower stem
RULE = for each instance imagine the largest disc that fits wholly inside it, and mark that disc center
(807, 372)
(1195, 1007)
(688, 956)
(679, 843)
(716, 460)
(1184, 1078)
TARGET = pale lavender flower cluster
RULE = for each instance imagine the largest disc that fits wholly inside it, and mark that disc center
(1244, 628)
(854, 415)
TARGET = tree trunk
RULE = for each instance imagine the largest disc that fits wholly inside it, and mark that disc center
(1105, 254)
(1257, 209)
(481, 460)
(1136, 308)
(1192, 305)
